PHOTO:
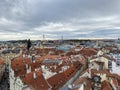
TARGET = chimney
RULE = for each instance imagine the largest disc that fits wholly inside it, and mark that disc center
(84, 83)
(89, 72)
(26, 65)
(36, 69)
(28, 69)
(23, 55)
(97, 69)
(33, 58)
(34, 75)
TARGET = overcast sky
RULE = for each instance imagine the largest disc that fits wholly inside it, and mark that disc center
(74, 19)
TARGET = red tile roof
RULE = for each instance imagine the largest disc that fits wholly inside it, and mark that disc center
(85, 81)
(38, 83)
(77, 47)
(115, 82)
(60, 79)
(87, 70)
(106, 86)
(71, 53)
(1, 62)
(19, 65)
(94, 71)
(57, 81)
(99, 63)
(108, 57)
(51, 56)
(88, 52)
(58, 52)
(105, 56)
(45, 51)
(116, 76)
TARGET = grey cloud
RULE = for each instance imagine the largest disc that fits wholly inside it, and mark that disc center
(79, 18)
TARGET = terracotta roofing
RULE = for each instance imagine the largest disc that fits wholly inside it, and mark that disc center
(105, 56)
(117, 51)
(108, 57)
(108, 74)
(35, 65)
(99, 63)
(88, 52)
(111, 48)
(87, 70)
(57, 81)
(45, 51)
(106, 86)
(94, 71)
(36, 80)
(97, 49)
(51, 56)
(58, 52)
(60, 79)
(19, 65)
(83, 80)
(77, 47)
(71, 53)
(16, 63)
(71, 71)
(115, 82)
(83, 60)
(1, 62)
(114, 76)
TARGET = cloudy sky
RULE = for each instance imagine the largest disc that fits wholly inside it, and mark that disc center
(74, 19)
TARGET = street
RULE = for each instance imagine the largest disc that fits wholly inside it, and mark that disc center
(4, 83)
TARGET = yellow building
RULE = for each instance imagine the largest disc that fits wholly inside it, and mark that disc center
(100, 62)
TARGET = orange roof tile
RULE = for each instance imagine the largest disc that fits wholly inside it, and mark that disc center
(108, 57)
(19, 65)
(38, 83)
(88, 52)
(114, 76)
(87, 70)
(115, 82)
(51, 56)
(1, 61)
(94, 71)
(106, 86)
(83, 80)
(99, 63)
(57, 81)
(58, 52)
